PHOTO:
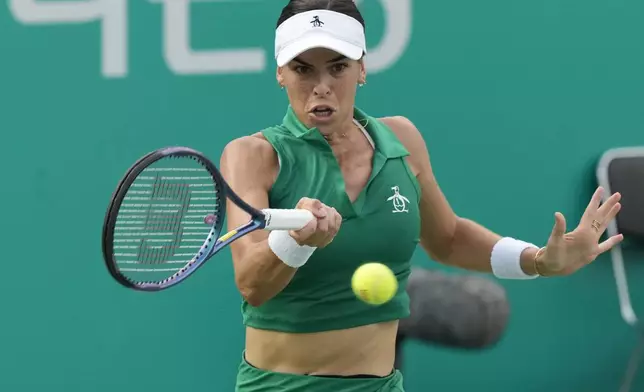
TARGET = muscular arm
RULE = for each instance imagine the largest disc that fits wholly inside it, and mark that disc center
(249, 165)
(446, 237)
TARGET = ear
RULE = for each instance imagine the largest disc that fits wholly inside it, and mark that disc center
(279, 76)
(363, 72)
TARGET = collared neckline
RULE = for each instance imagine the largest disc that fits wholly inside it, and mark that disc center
(385, 140)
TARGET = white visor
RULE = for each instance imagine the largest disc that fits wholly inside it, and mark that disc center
(319, 29)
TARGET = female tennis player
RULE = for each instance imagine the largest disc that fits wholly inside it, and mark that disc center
(369, 183)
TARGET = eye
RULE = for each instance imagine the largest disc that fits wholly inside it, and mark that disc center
(338, 67)
(302, 69)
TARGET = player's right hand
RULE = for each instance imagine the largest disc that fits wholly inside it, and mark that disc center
(321, 231)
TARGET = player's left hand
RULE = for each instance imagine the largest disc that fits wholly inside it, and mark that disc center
(565, 253)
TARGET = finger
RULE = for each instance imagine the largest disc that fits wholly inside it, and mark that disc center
(323, 227)
(338, 222)
(608, 205)
(593, 205)
(315, 206)
(610, 216)
(333, 220)
(318, 209)
(610, 243)
(559, 229)
(303, 202)
(302, 235)
(334, 225)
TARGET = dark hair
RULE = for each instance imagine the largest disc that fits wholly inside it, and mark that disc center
(347, 7)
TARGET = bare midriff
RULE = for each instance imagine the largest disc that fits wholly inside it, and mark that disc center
(365, 350)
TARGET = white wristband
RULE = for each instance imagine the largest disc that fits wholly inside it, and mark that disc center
(506, 259)
(288, 250)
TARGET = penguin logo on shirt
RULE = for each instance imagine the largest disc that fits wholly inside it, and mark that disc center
(399, 201)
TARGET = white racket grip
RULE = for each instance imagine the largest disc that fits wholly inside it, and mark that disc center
(283, 219)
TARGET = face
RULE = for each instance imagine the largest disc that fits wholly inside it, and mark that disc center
(321, 87)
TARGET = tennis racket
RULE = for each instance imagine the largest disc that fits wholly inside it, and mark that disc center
(166, 216)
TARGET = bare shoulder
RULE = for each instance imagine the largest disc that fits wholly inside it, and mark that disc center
(251, 157)
(249, 150)
(255, 143)
(411, 138)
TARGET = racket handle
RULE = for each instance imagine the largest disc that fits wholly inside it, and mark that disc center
(282, 219)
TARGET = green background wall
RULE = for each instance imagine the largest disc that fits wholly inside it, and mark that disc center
(517, 100)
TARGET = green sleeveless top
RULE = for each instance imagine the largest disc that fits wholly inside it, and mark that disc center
(382, 225)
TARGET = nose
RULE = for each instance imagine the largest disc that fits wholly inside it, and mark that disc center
(322, 88)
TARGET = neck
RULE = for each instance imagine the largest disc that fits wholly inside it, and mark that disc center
(340, 133)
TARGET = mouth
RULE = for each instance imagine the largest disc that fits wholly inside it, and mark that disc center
(322, 111)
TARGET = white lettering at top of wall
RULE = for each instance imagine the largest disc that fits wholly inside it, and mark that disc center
(112, 14)
(395, 37)
(182, 59)
(179, 56)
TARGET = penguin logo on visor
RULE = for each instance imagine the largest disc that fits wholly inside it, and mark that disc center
(316, 22)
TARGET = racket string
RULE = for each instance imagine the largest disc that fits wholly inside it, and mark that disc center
(166, 221)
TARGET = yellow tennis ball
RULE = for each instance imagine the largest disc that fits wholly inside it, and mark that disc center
(374, 283)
